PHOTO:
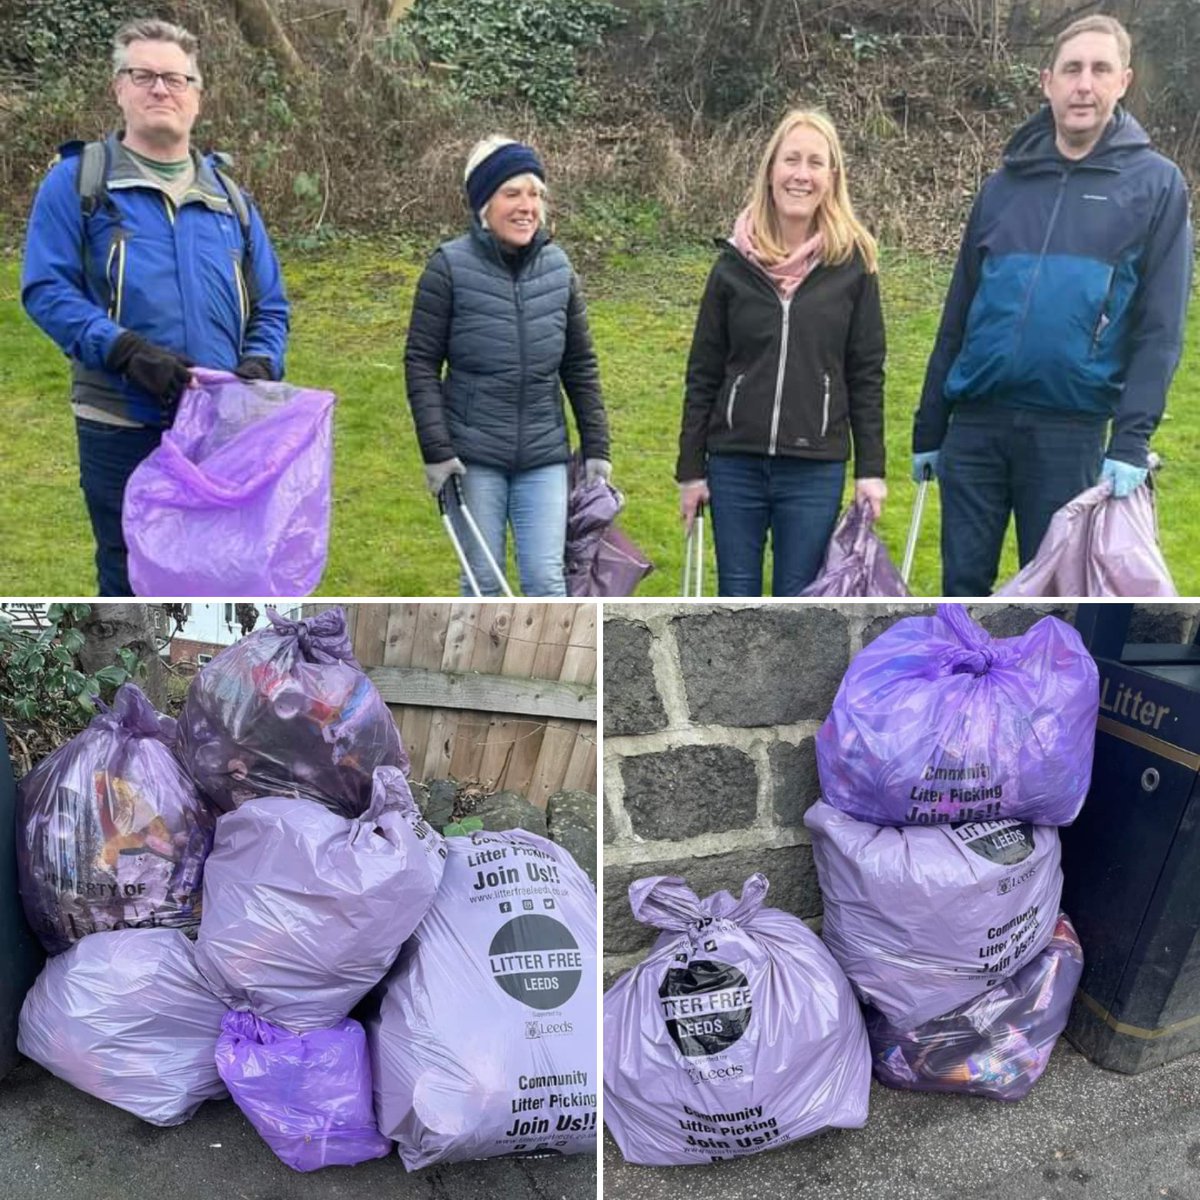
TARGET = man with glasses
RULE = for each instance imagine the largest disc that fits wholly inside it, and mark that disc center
(143, 259)
(1065, 313)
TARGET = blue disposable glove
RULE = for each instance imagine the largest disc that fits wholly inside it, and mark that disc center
(923, 459)
(1125, 478)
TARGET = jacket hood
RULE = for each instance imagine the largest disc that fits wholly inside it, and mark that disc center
(1032, 145)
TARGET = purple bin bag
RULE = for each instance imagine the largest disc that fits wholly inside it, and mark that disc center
(484, 1043)
(235, 501)
(288, 711)
(305, 911)
(111, 832)
(936, 721)
(125, 1017)
(923, 920)
(600, 559)
(1097, 545)
(307, 1094)
(737, 1033)
(856, 560)
(996, 1045)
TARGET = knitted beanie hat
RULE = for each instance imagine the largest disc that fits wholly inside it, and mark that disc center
(506, 161)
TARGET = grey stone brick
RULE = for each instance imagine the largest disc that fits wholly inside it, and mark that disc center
(571, 822)
(441, 795)
(794, 780)
(878, 625)
(1161, 624)
(510, 810)
(690, 790)
(790, 871)
(1012, 620)
(631, 700)
(762, 666)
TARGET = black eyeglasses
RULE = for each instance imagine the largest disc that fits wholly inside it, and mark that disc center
(175, 81)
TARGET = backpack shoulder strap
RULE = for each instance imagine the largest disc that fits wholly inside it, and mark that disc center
(237, 198)
(91, 177)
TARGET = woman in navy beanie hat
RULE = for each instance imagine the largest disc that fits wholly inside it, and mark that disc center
(498, 332)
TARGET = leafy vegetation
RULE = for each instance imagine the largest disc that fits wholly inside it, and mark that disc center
(38, 674)
(503, 50)
(47, 38)
(45, 698)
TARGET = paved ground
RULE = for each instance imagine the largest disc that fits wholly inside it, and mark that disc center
(1081, 1134)
(57, 1143)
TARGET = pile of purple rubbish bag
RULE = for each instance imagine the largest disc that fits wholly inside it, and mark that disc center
(218, 894)
(948, 762)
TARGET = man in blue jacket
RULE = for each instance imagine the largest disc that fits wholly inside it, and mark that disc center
(1065, 314)
(143, 259)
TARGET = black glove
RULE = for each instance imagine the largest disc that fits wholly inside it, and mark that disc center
(162, 373)
(253, 366)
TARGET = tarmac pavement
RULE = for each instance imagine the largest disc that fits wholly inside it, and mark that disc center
(57, 1143)
(1083, 1133)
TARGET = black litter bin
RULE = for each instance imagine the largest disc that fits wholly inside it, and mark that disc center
(1132, 859)
(21, 954)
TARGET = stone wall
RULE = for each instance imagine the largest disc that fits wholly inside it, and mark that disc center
(710, 713)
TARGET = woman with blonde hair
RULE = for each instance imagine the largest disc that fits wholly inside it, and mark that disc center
(785, 375)
(499, 331)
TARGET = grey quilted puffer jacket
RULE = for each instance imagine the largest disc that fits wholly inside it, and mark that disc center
(508, 332)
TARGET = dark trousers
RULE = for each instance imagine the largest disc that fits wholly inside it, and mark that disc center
(796, 499)
(107, 456)
(996, 461)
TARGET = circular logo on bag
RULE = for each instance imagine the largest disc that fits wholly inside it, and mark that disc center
(1003, 842)
(536, 960)
(706, 1005)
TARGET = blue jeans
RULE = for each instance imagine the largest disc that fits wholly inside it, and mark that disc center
(797, 499)
(534, 503)
(107, 457)
(998, 460)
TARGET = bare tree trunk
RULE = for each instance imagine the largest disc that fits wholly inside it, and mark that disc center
(398, 10)
(112, 627)
(261, 26)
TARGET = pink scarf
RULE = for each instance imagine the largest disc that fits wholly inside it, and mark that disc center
(787, 275)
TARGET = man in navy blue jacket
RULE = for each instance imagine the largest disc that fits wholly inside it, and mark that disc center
(1065, 314)
(143, 259)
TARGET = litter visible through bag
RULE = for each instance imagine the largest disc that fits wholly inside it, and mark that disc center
(601, 560)
(236, 499)
(996, 1045)
(1097, 545)
(936, 721)
(856, 560)
(737, 1033)
(288, 711)
(111, 832)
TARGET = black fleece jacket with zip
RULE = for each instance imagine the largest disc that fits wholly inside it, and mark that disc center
(799, 379)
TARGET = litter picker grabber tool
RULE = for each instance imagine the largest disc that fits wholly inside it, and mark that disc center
(469, 520)
(914, 529)
(693, 557)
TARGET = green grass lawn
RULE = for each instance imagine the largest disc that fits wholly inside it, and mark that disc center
(351, 304)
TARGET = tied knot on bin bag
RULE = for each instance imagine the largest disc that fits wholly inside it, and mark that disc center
(666, 902)
(975, 653)
(133, 714)
(321, 638)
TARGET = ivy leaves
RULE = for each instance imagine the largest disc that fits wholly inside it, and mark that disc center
(39, 679)
(505, 50)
